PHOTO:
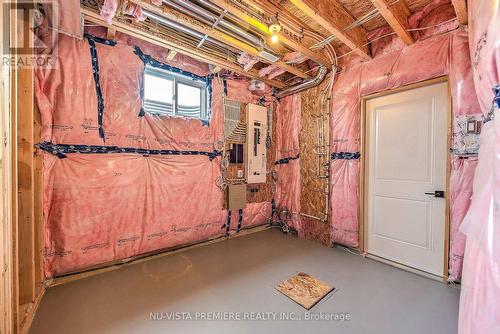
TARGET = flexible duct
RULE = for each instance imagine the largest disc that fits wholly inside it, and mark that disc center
(306, 84)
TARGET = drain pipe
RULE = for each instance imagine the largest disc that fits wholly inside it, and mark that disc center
(306, 84)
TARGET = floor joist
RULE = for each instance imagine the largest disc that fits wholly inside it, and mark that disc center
(295, 45)
(172, 44)
(332, 16)
(185, 20)
(396, 16)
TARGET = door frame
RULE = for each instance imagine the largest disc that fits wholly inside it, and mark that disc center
(363, 171)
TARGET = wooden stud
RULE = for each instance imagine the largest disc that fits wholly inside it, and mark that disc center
(8, 300)
(111, 33)
(185, 20)
(171, 55)
(332, 16)
(396, 16)
(171, 43)
(460, 7)
(215, 70)
(295, 45)
(23, 88)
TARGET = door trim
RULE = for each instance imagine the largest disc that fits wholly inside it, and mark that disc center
(363, 169)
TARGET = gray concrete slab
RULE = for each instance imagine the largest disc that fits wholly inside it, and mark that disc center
(237, 277)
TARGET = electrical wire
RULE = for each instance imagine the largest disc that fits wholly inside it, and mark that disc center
(394, 33)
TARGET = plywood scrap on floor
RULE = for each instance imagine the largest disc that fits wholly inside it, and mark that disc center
(304, 289)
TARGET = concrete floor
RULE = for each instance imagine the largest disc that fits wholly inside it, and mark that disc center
(239, 276)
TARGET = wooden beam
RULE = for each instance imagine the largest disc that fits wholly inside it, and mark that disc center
(171, 55)
(171, 43)
(8, 298)
(187, 21)
(23, 93)
(111, 33)
(295, 45)
(461, 11)
(332, 16)
(396, 16)
(215, 70)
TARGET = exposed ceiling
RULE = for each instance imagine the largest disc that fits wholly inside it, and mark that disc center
(217, 31)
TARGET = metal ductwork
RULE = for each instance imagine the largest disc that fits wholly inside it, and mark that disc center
(194, 10)
(306, 84)
(180, 27)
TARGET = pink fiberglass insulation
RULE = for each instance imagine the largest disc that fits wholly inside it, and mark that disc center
(287, 129)
(480, 292)
(272, 71)
(108, 10)
(395, 66)
(248, 61)
(64, 16)
(100, 208)
(133, 10)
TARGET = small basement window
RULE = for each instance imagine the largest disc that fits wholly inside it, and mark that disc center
(174, 94)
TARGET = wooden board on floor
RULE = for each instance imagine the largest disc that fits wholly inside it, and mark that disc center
(304, 289)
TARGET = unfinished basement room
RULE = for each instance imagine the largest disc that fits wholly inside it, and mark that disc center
(250, 166)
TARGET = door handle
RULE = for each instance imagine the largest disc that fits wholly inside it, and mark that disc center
(436, 193)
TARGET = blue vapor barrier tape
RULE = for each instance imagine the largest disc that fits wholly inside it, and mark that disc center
(273, 211)
(240, 220)
(224, 82)
(286, 160)
(61, 150)
(496, 104)
(345, 156)
(95, 69)
(227, 225)
(496, 100)
(148, 60)
(100, 40)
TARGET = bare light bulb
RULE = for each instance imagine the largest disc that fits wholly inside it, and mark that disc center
(274, 38)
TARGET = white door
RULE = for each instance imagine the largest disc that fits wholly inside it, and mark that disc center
(406, 145)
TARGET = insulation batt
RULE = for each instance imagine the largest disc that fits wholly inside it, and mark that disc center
(66, 15)
(272, 71)
(394, 66)
(248, 61)
(100, 208)
(287, 129)
(480, 292)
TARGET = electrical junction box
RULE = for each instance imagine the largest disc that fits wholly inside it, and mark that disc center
(256, 158)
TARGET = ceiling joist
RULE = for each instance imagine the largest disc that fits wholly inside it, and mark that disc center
(171, 43)
(185, 20)
(460, 7)
(332, 16)
(396, 16)
(295, 45)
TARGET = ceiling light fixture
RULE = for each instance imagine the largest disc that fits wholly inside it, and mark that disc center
(275, 29)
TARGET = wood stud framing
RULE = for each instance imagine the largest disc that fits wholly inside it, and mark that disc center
(189, 22)
(460, 7)
(332, 16)
(295, 45)
(396, 16)
(173, 44)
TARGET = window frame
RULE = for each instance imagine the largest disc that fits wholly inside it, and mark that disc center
(176, 79)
